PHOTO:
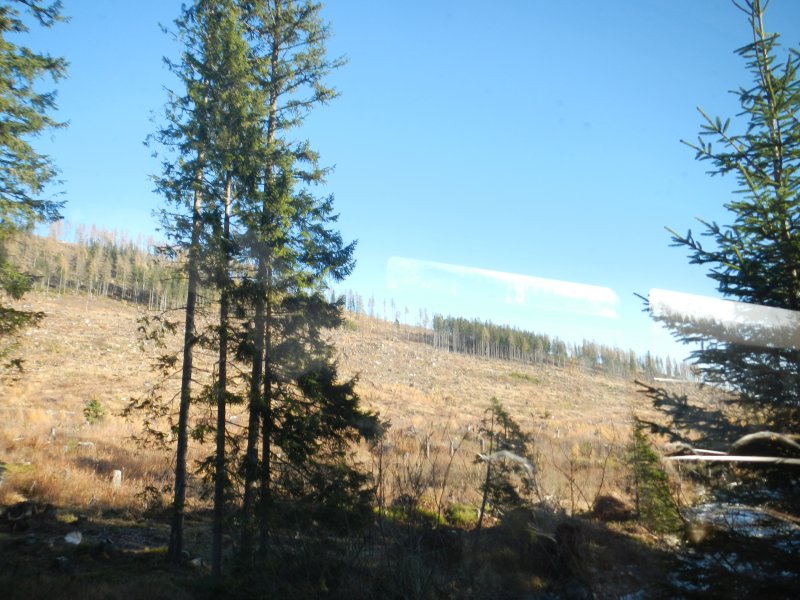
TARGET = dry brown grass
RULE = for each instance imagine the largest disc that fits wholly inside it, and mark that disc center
(61, 459)
(88, 349)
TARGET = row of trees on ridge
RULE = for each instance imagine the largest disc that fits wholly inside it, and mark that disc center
(101, 263)
(504, 342)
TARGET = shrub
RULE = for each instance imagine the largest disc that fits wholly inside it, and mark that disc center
(510, 469)
(461, 515)
(654, 504)
(524, 377)
(93, 411)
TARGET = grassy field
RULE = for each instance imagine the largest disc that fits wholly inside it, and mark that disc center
(63, 438)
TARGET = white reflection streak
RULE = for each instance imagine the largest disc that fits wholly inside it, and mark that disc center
(519, 290)
(727, 320)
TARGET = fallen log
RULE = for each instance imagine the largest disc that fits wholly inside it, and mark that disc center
(767, 443)
(776, 460)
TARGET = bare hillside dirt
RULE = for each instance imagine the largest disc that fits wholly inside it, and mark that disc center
(89, 348)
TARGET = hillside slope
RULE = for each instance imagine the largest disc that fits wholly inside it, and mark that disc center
(89, 348)
(62, 441)
(416, 384)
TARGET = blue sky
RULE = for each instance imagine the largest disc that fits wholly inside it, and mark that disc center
(473, 142)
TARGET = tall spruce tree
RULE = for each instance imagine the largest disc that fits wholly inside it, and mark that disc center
(209, 132)
(236, 145)
(24, 172)
(296, 403)
(756, 258)
(240, 192)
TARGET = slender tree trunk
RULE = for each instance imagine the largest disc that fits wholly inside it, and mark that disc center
(251, 455)
(486, 484)
(266, 428)
(222, 386)
(261, 325)
(189, 339)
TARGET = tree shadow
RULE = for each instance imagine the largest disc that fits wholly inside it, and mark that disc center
(529, 553)
(687, 421)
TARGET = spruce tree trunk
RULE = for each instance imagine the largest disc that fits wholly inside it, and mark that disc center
(261, 325)
(254, 408)
(189, 339)
(222, 385)
(266, 429)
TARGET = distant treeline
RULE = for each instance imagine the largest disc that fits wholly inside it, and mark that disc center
(100, 263)
(503, 342)
(483, 338)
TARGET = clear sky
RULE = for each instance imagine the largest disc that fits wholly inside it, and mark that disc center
(481, 149)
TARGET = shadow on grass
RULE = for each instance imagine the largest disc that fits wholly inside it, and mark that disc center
(530, 553)
(115, 557)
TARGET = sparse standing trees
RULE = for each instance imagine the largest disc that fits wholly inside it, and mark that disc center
(290, 61)
(236, 117)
